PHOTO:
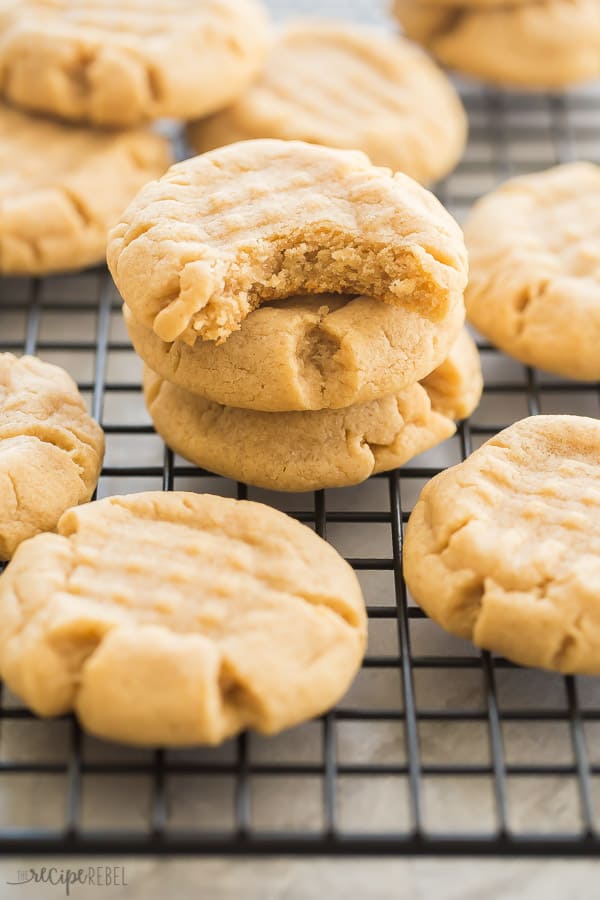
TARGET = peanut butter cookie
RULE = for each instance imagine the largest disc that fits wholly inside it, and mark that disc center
(175, 618)
(303, 451)
(303, 353)
(534, 289)
(62, 188)
(120, 63)
(541, 45)
(349, 86)
(222, 233)
(504, 549)
(50, 449)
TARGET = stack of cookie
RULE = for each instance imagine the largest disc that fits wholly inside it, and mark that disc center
(84, 66)
(540, 44)
(299, 311)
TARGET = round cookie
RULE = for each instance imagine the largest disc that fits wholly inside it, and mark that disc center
(302, 451)
(222, 233)
(306, 353)
(353, 87)
(120, 64)
(542, 45)
(504, 549)
(534, 289)
(62, 188)
(51, 451)
(244, 619)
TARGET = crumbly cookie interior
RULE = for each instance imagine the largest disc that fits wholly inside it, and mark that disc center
(279, 268)
(259, 221)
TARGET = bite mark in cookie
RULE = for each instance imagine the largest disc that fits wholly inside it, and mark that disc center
(258, 221)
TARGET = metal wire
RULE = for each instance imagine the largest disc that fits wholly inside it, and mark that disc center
(502, 127)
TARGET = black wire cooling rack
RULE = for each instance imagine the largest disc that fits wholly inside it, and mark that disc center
(438, 748)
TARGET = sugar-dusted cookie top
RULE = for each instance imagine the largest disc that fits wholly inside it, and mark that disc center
(307, 451)
(263, 220)
(534, 287)
(62, 188)
(50, 449)
(319, 352)
(541, 45)
(504, 548)
(349, 86)
(179, 618)
(120, 63)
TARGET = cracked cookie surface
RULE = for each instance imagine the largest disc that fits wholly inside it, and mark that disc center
(263, 220)
(51, 450)
(534, 286)
(306, 353)
(179, 618)
(120, 63)
(504, 549)
(352, 87)
(62, 188)
(305, 451)
(540, 45)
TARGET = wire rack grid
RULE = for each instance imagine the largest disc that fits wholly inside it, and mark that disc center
(437, 748)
